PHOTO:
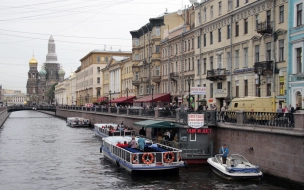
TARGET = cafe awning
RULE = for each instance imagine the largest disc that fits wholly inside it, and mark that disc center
(102, 99)
(128, 99)
(155, 124)
(156, 98)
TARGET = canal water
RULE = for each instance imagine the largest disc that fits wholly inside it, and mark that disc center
(38, 151)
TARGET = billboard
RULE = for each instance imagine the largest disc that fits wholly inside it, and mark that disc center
(196, 120)
(198, 91)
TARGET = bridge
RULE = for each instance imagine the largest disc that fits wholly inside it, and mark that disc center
(21, 108)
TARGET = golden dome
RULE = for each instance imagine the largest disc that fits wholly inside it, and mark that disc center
(33, 61)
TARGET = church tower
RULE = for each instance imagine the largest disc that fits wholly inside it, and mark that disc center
(32, 82)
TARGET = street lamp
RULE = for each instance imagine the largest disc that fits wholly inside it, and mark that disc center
(152, 88)
(110, 97)
(127, 90)
(189, 82)
(260, 72)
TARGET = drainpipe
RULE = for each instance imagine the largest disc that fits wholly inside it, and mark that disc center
(274, 59)
(149, 60)
(230, 58)
(168, 45)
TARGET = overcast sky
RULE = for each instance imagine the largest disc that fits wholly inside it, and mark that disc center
(78, 27)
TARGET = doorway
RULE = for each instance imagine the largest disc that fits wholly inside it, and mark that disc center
(299, 99)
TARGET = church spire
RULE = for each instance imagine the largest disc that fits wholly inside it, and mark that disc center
(51, 56)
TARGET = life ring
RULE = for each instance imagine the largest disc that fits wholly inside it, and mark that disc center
(167, 158)
(147, 158)
(134, 159)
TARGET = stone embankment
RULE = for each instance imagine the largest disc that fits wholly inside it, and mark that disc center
(3, 115)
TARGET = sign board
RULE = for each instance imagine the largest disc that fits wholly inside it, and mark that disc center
(199, 131)
(198, 91)
(220, 93)
(195, 120)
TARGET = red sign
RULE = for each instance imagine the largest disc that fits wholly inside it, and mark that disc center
(199, 131)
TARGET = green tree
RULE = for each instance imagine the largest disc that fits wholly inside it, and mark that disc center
(51, 92)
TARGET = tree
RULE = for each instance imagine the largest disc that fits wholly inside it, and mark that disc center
(51, 92)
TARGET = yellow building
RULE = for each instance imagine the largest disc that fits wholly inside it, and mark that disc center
(89, 76)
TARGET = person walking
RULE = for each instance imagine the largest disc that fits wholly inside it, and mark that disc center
(224, 150)
(223, 110)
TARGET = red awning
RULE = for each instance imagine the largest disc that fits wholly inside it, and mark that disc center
(156, 98)
(102, 99)
(123, 99)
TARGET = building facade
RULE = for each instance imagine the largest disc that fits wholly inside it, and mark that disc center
(12, 97)
(65, 91)
(295, 52)
(89, 76)
(240, 49)
(40, 84)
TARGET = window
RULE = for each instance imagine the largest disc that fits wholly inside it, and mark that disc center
(199, 18)
(188, 45)
(228, 61)
(136, 76)
(192, 63)
(157, 31)
(211, 90)
(245, 57)
(268, 51)
(219, 85)
(237, 3)
(246, 1)
(136, 57)
(236, 59)
(299, 60)
(189, 64)
(192, 47)
(281, 50)
(229, 5)
(157, 49)
(157, 70)
(282, 93)
(205, 40)
(228, 89)
(257, 88)
(219, 61)
(257, 53)
(98, 80)
(176, 49)
(211, 38)
(268, 17)
(281, 10)
(205, 66)
(245, 87)
(107, 59)
(268, 90)
(98, 59)
(237, 90)
(236, 28)
(205, 13)
(198, 67)
(299, 14)
(185, 47)
(192, 136)
(211, 12)
(228, 31)
(245, 26)
(98, 69)
(211, 63)
(198, 42)
(256, 21)
(136, 42)
(219, 34)
(220, 7)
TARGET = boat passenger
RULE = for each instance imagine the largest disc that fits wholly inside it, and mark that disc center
(119, 144)
(132, 143)
(224, 150)
(125, 144)
(153, 144)
(141, 143)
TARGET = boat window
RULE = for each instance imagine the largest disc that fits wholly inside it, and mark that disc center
(193, 137)
(235, 105)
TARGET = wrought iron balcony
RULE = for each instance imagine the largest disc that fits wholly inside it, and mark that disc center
(174, 76)
(216, 74)
(156, 79)
(263, 67)
(265, 27)
(136, 82)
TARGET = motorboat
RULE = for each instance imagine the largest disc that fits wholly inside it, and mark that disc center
(236, 167)
(161, 158)
(110, 129)
(78, 122)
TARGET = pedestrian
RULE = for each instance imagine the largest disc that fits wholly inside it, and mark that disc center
(132, 143)
(223, 109)
(224, 151)
(279, 111)
(142, 132)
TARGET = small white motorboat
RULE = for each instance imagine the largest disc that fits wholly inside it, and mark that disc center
(161, 158)
(236, 167)
(78, 122)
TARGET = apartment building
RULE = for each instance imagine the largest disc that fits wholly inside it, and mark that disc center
(240, 49)
(295, 52)
(89, 76)
(65, 91)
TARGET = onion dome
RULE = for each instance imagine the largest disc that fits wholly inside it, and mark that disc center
(61, 71)
(33, 61)
(42, 72)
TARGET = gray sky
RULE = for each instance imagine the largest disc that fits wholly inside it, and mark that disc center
(78, 27)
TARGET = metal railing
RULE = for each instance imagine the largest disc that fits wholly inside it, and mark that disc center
(148, 112)
(269, 119)
(167, 113)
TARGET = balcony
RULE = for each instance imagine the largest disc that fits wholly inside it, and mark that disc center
(174, 76)
(264, 27)
(144, 80)
(263, 67)
(156, 79)
(216, 74)
(135, 82)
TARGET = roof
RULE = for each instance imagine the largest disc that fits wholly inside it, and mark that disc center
(123, 99)
(156, 98)
(120, 58)
(107, 51)
(155, 124)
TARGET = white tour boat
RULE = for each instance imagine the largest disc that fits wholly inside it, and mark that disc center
(160, 158)
(78, 122)
(236, 167)
(110, 129)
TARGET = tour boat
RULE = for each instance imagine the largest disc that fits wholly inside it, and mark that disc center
(78, 122)
(236, 167)
(110, 129)
(160, 158)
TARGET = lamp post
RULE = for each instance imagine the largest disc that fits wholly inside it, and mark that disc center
(260, 72)
(152, 88)
(189, 82)
(127, 90)
(110, 97)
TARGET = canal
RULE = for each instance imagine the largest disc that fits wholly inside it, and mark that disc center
(38, 151)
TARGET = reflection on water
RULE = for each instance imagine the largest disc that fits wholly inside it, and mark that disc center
(38, 151)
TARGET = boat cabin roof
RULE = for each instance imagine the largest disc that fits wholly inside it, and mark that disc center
(105, 124)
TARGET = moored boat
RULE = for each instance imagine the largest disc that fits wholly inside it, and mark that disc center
(236, 167)
(160, 158)
(78, 122)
